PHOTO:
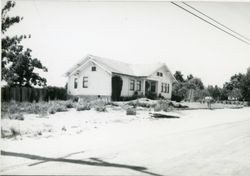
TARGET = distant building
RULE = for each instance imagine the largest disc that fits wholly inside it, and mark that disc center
(97, 76)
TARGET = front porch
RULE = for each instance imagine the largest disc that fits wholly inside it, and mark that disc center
(151, 88)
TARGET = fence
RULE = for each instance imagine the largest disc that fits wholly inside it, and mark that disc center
(33, 94)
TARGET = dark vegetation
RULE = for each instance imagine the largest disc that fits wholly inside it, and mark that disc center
(192, 89)
(18, 65)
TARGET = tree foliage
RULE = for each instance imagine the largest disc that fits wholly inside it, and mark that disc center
(18, 65)
(179, 76)
(182, 88)
(237, 88)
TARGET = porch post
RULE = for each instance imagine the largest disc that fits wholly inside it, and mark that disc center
(143, 86)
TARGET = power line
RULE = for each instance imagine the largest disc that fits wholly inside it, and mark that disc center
(215, 21)
(210, 23)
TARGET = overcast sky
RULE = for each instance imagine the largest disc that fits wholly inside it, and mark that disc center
(63, 32)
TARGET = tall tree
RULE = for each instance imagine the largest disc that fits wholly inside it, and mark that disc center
(179, 76)
(189, 77)
(18, 66)
(195, 83)
(246, 86)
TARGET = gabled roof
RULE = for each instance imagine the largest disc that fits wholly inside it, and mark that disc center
(114, 66)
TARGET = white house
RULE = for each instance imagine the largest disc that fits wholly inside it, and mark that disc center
(96, 76)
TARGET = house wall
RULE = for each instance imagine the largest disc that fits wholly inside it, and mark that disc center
(99, 82)
(166, 78)
(126, 92)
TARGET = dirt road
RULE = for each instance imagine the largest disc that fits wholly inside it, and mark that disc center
(200, 143)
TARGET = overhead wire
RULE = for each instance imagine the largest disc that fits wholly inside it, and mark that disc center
(216, 21)
(210, 23)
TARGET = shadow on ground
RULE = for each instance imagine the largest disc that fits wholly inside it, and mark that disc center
(94, 162)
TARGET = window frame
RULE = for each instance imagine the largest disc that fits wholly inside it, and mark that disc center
(85, 82)
(164, 87)
(75, 83)
(93, 68)
(138, 85)
(153, 88)
(132, 84)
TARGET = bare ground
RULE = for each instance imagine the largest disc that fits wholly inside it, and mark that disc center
(201, 142)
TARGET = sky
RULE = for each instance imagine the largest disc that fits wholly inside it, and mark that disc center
(63, 32)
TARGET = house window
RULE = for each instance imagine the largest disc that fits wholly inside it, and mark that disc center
(93, 68)
(167, 88)
(159, 74)
(153, 86)
(164, 87)
(132, 84)
(75, 83)
(138, 86)
(85, 82)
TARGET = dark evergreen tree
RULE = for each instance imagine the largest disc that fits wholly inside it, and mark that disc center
(179, 76)
(18, 66)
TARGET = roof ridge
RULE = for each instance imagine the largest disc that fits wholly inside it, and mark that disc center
(113, 60)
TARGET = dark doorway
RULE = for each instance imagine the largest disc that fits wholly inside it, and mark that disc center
(116, 88)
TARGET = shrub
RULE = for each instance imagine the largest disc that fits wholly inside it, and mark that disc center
(112, 104)
(163, 105)
(9, 132)
(99, 105)
(64, 128)
(101, 109)
(127, 98)
(131, 111)
(57, 107)
(146, 103)
(60, 108)
(73, 98)
(83, 107)
(13, 107)
(248, 103)
(69, 104)
(16, 117)
(14, 132)
(151, 95)
(157, 107)
(52, 110)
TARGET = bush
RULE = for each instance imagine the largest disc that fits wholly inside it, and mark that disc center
(73, 98)
(142, 102)
(69, 104)
(16, 117)
(151, 95)
(127, 98)
(112, 104)
(131, 111)
(83, 107)
(52, 110)
(101, 109)
(60, 108)
(163, 105)
(157, 107)
(57, 107)
(14, 132)
(99, 105)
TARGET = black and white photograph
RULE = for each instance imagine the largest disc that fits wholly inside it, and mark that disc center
(120, 88)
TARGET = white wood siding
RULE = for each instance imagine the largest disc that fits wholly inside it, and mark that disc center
(126, 85)
(166, 78)
(99, 82)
